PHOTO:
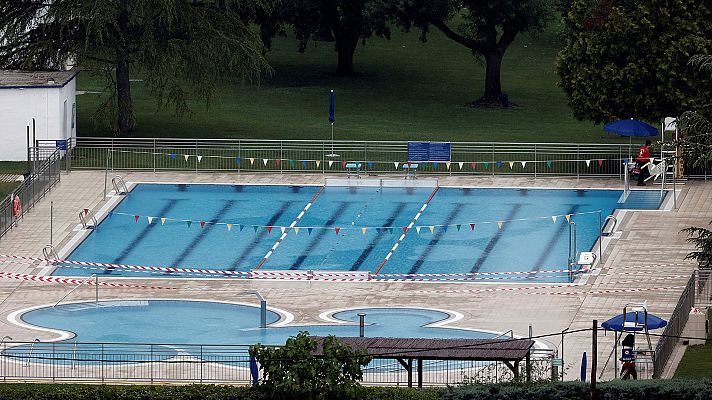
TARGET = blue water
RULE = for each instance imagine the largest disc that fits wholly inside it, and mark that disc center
(210, 323)
(528, 240)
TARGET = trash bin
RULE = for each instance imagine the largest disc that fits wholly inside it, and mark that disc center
(697, 326)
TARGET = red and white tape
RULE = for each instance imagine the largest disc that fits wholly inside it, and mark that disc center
(74, 281)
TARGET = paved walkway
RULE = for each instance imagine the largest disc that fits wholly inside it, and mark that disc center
(648, 257)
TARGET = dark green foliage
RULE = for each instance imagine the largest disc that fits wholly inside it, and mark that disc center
(293, 372)
(181, 47)
(487, 28)
(629, 58)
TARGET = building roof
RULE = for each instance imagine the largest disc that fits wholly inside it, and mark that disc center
(16, 79)
(437, 349)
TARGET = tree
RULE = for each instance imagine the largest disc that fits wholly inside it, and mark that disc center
(345, 22)
(629, 58)
(294, 372)
(487, 28)
(180, 47)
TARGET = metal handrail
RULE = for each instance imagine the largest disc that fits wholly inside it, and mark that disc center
(50, 253)
(83, 218)
(32, 348)
(95, 276)
(74, 355)
(613, 228)
(119, 185)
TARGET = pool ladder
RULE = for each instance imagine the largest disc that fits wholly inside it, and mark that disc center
(96, 292)
(32, 348)
(50, 254)
(85, 217)
(119, 185)
(613, 227)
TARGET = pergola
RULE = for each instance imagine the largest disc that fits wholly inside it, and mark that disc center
(508, 351)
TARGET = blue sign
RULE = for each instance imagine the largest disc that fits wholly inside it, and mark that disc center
(428, 151)
(61, 144)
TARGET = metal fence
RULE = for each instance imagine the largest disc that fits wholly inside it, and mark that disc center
(104, 362)
(703, 285)
(675, 326)
(45, 174)
(285, 156)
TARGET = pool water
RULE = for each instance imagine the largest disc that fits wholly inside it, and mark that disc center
(513, 229)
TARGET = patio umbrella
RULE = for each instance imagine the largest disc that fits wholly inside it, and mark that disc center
(630, 128)
(649, 320)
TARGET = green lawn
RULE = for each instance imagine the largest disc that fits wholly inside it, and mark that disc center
(406, 90)
(697, 360)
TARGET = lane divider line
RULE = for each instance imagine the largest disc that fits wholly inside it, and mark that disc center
(406, 230)
(286, 231)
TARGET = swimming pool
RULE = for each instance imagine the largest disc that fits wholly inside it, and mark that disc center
(244, 227)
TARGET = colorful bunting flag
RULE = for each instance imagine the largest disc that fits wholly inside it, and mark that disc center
(189, 223)
(337, 230)
(136, 217)
(255, 227)
(330, 163)
(111, 214)
(378, 231)
(486, 165)
(186, 156)
(499, 224)
(460, 164)
(568, 217)
(202, 224)
(199, 158)
(370, 164)
(318, 163)
(458, 227)
(548, 163)
(163, 221)
(473, 165)
(278, 162)
(269, 229)
(173, 156)
(363, 231)
(417, 230)
(588, 163)
(304, 164)
(435, 165)
(472, 227)
(309, 231)
(395, 164)
(405, 229)
(296, 230)
(432, 228)
(265, 160)
(252, 161)
(553, 218)
(499, 164)
(150, 220)
(343, 164)
(240, 227)
(524, 164)
(237, 160)
(229, 227)
(281, 228)
(444, 228)
(600, 163)
(447, 165)
(511, 164)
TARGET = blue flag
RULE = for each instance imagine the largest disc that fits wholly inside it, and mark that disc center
(331, 108)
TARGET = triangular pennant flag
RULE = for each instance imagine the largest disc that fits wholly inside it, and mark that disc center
(499, 164)
(186, 156)
(282, 229)
(291, 164)
(189, 223)
(444, 228)
(435, 165)
(417, 230)
(318, 163)
(553, 218)
(568, 217)
(330, 163)
(255, 227)
(150, 220)
(600, 163)
(460, 164)
(173, 156)
(447, 164)
(304, 164)
(296, 230)
(199, 158)
(337, 230)
(405, 229)
(163, 221)
(86, 211)
(265, 160)
(252, 161)
(202, 224)
(473, 165)
(511, 164)
(237, 160)
(524, 164)
(458, 227)
(111, 214)
(472, 227)
(241, 227)
(548, 163)
(278, 161)
(588, 163)
(136, 217)
(269, 229)
(363, 231)
(395, 164)
(309, 230)
(432, 228)
(378, 231)
(370, 164)
(499, 224)
(229, 227)
(486, 165)
(343, 164)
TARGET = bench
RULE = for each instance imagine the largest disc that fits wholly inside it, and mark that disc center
(410, 169)
(353, 168)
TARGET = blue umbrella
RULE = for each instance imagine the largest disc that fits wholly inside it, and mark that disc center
(631, 128)
(649, 320)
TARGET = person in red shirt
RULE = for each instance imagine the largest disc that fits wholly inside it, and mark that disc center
(642, 159)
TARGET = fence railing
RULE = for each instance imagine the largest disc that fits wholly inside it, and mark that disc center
(675, 326)
(703, 293)
(45, 174)
(284, 156)
(102, 362)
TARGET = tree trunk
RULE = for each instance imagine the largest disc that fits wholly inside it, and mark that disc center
(126, 121)
(345, 50)
(493, 82)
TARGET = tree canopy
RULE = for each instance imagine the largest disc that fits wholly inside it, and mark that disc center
(181, 48)
(345, 22)
(487, 28)
(629, 59)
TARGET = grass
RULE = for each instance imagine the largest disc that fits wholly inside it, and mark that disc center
(406, 90)
(697, 361)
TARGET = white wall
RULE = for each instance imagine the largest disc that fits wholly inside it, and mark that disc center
(46, 105)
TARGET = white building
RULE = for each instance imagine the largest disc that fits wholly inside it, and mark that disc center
(48, 97)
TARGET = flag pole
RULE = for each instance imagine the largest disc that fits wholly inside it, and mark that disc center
(332, 120)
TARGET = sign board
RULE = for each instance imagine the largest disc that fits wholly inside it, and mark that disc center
(61, 144)
(428, 151)
(557, 362)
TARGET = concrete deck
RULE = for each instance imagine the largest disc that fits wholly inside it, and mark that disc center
(648, 257)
